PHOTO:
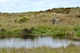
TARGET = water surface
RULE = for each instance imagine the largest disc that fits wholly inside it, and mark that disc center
(37, 42)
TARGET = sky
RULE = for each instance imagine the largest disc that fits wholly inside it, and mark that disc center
(35, 5)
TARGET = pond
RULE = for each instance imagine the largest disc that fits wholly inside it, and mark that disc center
(37, 42)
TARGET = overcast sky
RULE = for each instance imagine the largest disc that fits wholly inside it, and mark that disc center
(35, 5)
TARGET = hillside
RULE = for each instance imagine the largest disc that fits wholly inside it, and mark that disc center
(7, 20)
(68, 18)
(64, 10)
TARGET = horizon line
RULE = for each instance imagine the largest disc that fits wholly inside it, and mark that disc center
(37, 10)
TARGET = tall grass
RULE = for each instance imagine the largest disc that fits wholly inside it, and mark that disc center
(47, 30)
(69, 49)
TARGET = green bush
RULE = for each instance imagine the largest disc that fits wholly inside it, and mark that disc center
(22, 19)
(2, 31)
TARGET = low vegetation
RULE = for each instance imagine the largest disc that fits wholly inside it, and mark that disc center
(69, 49)
(53, 22)
(43, 30)
(22, 19)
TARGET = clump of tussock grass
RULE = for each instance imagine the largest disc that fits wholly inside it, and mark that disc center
(22, 19)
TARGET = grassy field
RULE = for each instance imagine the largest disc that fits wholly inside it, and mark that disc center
(69, 49)
(40, 23)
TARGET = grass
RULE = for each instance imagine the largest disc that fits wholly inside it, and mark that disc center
(40, 23)
(68, 25)
(57, 30)
(69, 49)
(66, 31)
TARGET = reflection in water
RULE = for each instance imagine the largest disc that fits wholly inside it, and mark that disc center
(37, 42)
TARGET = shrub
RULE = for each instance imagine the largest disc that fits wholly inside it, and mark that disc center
(22, 19)
(2, 31)
(26, 31)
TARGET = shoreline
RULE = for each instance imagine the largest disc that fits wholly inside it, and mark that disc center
(32, 36)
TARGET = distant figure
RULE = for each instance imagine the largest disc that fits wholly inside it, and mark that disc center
(55, 21)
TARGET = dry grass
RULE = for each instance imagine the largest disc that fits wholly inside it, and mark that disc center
(69, 49)
(7, 20)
